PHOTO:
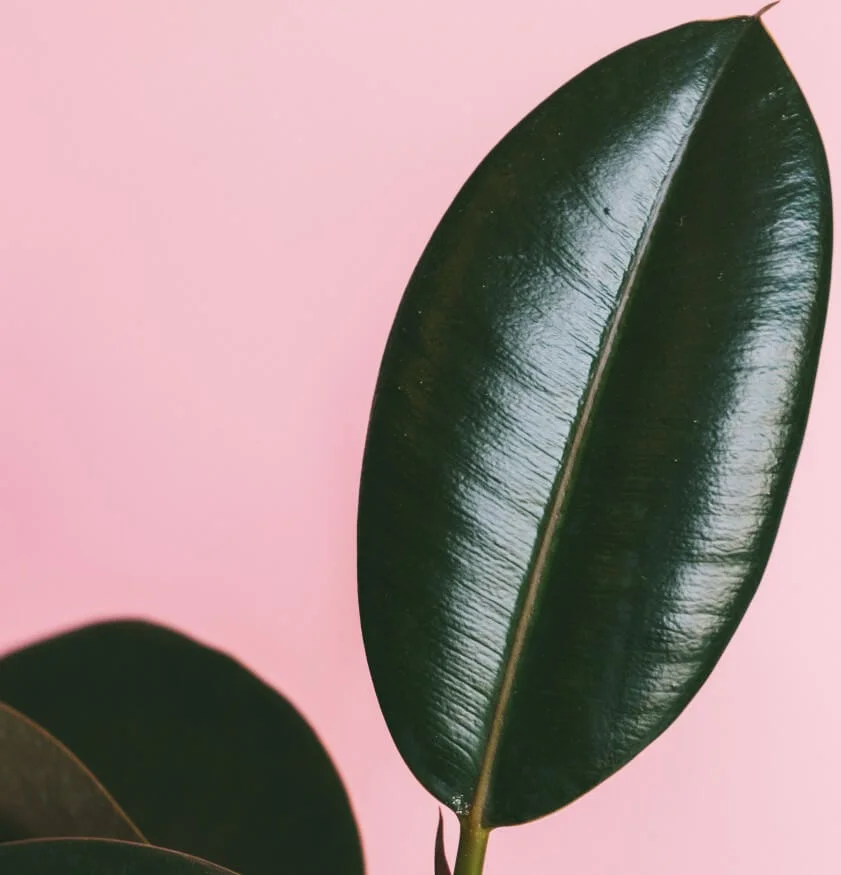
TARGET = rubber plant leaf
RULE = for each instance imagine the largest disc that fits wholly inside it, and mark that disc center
(45, 792)
(203, 756)
(100, 857)
(587, 418)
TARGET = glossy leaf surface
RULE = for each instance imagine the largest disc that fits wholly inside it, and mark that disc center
(203, 756)
(587, 418)
(45, 792)
(99, 857)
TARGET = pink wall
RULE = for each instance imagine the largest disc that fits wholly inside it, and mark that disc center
(208, 212)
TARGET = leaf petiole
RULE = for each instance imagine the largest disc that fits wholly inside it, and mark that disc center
(472, 844)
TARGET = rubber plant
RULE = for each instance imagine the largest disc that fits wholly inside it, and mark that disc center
(586, 422)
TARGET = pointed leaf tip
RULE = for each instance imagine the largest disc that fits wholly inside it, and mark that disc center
(442, 867)
(766, 8)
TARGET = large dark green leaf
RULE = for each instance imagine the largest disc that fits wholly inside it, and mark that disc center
(100, 857)
(204, 757)
(588, 416)
(45, 792)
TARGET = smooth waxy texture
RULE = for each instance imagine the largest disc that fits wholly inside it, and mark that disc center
(98, 857)
(587, 418)
(202, 755)
(46, 792)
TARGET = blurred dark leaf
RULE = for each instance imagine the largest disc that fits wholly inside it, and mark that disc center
(45, 792)
(203, 756)
(100, 857)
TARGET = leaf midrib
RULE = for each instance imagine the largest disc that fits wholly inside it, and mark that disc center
(569, 464)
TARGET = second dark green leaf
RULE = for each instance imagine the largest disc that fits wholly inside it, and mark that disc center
(202, 755)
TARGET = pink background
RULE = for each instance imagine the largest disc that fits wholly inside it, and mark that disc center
(208, 212)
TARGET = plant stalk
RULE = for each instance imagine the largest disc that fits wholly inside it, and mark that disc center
(472, 844)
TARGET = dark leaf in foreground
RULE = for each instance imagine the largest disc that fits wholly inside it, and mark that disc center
(45, 792)
(100, 857)
(203, 756)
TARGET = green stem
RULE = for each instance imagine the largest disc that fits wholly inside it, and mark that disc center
(472, 844)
